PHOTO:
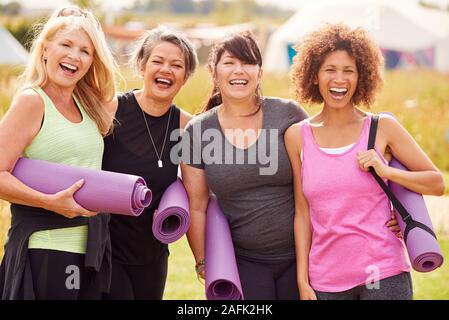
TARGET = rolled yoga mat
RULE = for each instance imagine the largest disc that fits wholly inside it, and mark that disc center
(102, 191)
(423, 248)
(222, 276)
(172, 219)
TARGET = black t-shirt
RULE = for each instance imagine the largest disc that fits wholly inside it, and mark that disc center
(129, 150)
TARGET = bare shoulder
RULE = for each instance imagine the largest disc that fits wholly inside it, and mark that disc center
(28, 100)
(388, 125)
(111, 106)
(184, 118)
(293, 135)
(26, 105)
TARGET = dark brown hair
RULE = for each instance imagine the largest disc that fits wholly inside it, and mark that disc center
(314, 48)
(241, 45)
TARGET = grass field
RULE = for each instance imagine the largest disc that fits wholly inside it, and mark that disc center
(419, 99)
(182, 282)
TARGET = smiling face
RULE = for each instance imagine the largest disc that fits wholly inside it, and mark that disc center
(337, 79)
(68, 56)
(165, 72)
(236, 79)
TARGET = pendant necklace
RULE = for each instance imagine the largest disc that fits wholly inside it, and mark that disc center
(159, 157)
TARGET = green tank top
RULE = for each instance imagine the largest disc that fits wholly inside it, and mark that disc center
(62, 141)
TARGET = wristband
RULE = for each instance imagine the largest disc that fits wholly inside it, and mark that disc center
(199, 265)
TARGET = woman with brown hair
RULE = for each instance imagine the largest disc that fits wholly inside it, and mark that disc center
(247, 168)
(343, 245)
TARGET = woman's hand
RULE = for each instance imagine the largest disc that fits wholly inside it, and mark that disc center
(370, 158)
(393, 225)
(306, 292)
(63, 203)
(200, 269)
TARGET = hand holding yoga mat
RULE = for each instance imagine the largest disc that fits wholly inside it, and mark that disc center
(411, 212)
(423, 249)
(102, 191)
(222, 275)
(172, 219)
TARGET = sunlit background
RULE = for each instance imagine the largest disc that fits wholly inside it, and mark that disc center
(413, 36)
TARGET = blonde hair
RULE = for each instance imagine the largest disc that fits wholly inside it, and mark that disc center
(98, 84)
(150, 39)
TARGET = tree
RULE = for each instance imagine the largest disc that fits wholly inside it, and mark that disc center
(11, 9)
(157, 5)
(204, 6)
(87, 4)
(181, 6)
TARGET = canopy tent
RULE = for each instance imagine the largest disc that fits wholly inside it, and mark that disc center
(401, 29)
(12, 52)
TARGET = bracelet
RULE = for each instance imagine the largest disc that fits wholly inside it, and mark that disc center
(199, 265)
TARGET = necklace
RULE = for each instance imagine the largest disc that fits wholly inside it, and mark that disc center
(159, 161)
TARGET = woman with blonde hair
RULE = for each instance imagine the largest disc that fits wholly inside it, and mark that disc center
(56, 249)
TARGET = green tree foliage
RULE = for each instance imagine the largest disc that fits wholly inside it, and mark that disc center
(87, 4)
(222, 11)
(181, 6)
(10, 9)
(21, 29)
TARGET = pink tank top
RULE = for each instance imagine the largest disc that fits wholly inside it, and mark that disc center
(351, 244)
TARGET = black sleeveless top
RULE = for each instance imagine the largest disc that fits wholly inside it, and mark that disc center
(129, 150)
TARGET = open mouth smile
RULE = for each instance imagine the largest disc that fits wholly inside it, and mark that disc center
(338, 93)
(238, 82)
(164, 82)
(68, 68)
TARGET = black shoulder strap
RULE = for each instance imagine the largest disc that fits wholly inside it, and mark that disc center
(405, 215)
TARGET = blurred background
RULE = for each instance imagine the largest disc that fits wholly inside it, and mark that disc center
(413, 36)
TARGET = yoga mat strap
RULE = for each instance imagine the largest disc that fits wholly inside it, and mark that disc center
(416, 224)
(405, 215)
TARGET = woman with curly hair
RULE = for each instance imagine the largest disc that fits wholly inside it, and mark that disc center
(343, 245)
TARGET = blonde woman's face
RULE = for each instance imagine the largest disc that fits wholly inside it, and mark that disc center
(337, 79)
(69, 55)
(236, 79)
(165, 72)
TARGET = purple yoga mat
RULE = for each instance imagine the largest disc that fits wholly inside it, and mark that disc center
(423, 249)
(172, 219)
(102, 191)
(222, 275)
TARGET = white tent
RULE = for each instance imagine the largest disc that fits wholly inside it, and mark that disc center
(11, 52)
(395, 25)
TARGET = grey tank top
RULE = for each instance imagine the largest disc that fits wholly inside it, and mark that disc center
(254, 186)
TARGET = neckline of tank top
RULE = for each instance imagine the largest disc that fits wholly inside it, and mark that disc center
(263, 109)
(137, 104)
(352, 146)
(337, 150)
(77, 105)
